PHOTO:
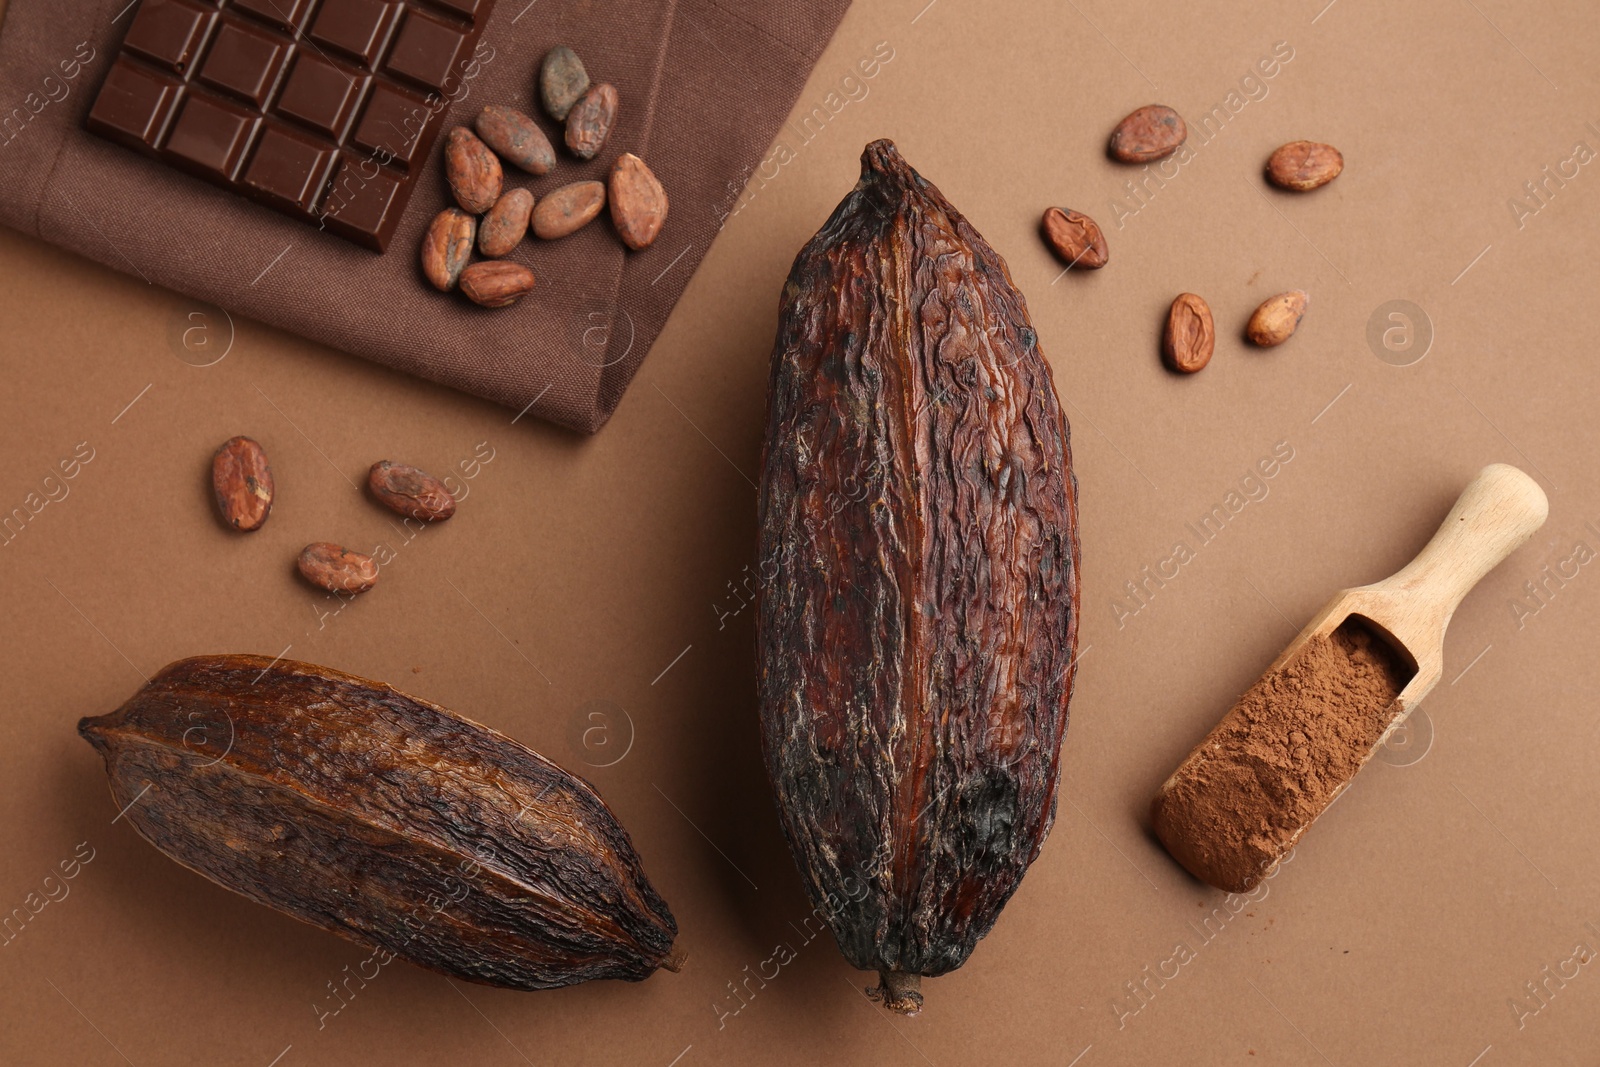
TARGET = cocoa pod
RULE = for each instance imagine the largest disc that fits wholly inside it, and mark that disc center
(590, 120)
(1153, 132)
(472, 170)
(638, 203)
(1190, 336)
(414, 493)
(447, 247)
(503, 227)
(1275, 321)
(384, 819)
(1301, 166)
(568, 209)
(241, 483)
(562, 80)
(1075, 237)
(918, 534)
(336, 568)
(496, 283)
(515, 138)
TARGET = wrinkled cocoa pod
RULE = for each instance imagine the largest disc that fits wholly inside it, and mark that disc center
(506, 223)
(447, 247)
(562, 80)
(515, 138)
(1075, 238)
(241, 482)
(918, 515)
(1301, 166)
(496, 283)
(568, 209)
(638, 203)
(414, 493)
(384, 819)
(590, 120)
(1190, 335)
(336, 568)
(1275, 321)
(472, 170)
(1153, 132)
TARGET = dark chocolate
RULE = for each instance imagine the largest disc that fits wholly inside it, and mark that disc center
(322, 109)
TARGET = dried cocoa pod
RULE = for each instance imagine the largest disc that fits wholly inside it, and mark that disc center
(447, 247)
(506, 223)
(496, 283)
(241, 482)
(590, 120)
(638, 203)
(568, 209)
(562, 80)
(472, 170)
(411, 492)
(336, 568)
(384, 819)
(918, 534)
(515, 138)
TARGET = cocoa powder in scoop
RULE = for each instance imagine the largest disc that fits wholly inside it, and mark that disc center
(1280, 756)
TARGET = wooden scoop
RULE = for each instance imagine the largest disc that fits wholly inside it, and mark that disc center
(1295, 740)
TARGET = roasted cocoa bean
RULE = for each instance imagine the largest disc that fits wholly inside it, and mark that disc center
(562, 80)
(414, 493)
(472, 170)
(1190, 335)
(336, 568)
(1275, 321)
(503, 227)
(916, 631)
(590, 120)
(1075, 238)
(241, 483)
(447, 247)
(515, 138)
(496, 283)
(384, 819)
(638, 203)
(1153, 132)
(1303, 165)
(568, 209)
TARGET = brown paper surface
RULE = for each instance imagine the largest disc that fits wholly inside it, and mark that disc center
(586, 599)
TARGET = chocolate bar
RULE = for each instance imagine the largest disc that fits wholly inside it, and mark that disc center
(322, 109)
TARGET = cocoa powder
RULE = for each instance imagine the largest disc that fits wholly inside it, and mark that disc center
(1280, 756)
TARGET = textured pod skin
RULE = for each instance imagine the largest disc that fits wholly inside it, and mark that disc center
(384, 819)
(918, 527)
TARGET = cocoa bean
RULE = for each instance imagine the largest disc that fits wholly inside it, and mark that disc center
(506, 223)
(590, 120)
(916, 637)
(638, 203)
(472, 170)
(568, 209)
(496, 283)
(1190, 335)
(241, 483)
(515, 138)
(384, 819)
(336, 568)
(414, 493)
(562, 80)
(447, 247)
(1153, 132)
(1275, 321)
(1075, 237)
(1300, 166)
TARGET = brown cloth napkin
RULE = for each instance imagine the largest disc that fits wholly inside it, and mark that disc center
(703, 87)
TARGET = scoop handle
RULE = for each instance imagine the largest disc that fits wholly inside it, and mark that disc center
(1499, 510)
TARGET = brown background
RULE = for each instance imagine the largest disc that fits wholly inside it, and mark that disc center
(599, 570)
